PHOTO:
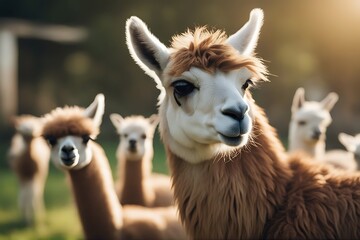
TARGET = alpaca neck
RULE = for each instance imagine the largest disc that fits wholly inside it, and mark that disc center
(97, 204)
(234, 195)
(319, 150)
(134, 177)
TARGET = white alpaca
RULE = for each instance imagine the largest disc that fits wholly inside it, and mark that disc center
(136, 183)
(347, 160)
(309, 121)
(29, 158)
(231, 176)
(70, 131)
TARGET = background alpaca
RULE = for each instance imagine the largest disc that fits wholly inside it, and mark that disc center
(347, 160)
(29, 159)
(136, 184)
(231, 176)
(70, 132)
(309, 121)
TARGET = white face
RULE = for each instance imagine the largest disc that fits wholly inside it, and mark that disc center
(136, 138)
(74, 152)
(309, 123)
(207, 111)
(70, 152)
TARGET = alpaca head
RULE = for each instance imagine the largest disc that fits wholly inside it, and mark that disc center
(68, 131)
(205, 77)
(352, 144)
(28, 126)
(310, 119)
(136, 134)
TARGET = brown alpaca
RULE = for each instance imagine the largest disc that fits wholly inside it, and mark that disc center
(29, 157)
(69, 131)
(136, 183)
(231, 176)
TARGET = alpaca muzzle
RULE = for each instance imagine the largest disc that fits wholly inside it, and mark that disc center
(68, 155)
(316, 135)
(132, 145)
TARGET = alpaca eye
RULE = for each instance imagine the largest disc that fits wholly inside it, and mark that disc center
(143, 136)
(51, 140)
(125, 135)
(182, 88)
(302, 123)
(86, 139)
(247, 84)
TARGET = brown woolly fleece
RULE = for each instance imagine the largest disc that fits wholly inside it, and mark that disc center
(29, 154)
(134, 190)
(31, 163)
(321, 203)
(256, 192)
(151, 223)
(140, 186)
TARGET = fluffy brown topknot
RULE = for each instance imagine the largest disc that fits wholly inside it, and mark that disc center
(68, 121)
(208, 50)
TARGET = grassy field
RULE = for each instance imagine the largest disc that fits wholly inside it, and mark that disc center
(61, 221)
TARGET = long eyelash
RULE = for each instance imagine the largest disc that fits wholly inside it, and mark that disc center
(176, 100)
(246, 84)
(86, 139)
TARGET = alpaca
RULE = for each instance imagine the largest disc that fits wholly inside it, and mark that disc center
(29, 157)
(347, 160)
(309, 122)
(71, 132)
(231, 176)
(136, 184)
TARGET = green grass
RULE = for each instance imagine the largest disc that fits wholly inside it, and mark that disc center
(61, 220)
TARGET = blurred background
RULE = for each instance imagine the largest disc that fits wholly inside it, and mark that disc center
(310, 44)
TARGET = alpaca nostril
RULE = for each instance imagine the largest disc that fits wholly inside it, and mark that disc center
(132, 144)
(67, 149)
(235, 112)
(68, 155)
(316, 134)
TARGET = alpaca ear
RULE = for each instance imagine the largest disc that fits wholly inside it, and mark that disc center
(96, 109)
(146, 49)
(298, 100)
(154, 120)
(330, 100)
(116, 120)
(348, 141)
(245, 40)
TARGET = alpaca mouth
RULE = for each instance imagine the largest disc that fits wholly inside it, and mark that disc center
(132, 149)
(232, 141)
(315, 137)
(68, 161)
